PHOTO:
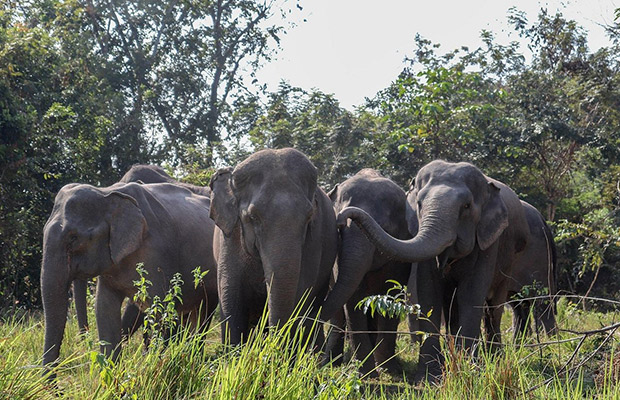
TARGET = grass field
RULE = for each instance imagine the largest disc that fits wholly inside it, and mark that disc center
(577, 366)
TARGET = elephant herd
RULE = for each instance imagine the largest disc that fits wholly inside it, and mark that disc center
(269, 235)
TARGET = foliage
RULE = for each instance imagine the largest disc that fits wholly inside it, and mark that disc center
(160, 317)
(314, 123)
(195, 365)
(390, 305)
(89, 88)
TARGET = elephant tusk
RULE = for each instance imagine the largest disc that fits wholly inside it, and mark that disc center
(441, 261)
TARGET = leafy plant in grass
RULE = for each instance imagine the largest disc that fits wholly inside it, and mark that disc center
(161, 317)
(393, 304)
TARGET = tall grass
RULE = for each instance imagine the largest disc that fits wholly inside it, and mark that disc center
(280, 364)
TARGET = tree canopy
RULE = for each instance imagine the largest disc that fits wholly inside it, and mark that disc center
(88, 88)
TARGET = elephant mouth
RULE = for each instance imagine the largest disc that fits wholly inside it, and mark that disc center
(442, 260)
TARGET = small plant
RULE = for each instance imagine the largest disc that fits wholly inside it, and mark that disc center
(535, 289)
(199, 276)
(393, 304)
(161, 316)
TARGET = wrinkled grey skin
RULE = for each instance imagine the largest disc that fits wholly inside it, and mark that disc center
(132, 318)
(537, 263)
(105, 232)
(276, 232)
(463, 220)
(362, 270)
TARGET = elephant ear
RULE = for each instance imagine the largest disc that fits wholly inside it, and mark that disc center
(127, 225)
(333, 193)
(224, 209)
(493, 220)
(411, 215)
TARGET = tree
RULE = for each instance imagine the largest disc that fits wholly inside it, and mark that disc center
(314, 123)
(564, 103)
(179, 62)
(442, 107)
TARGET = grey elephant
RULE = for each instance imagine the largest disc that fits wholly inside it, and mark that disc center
(276, 233)
(132, 318)
(362, 270)
(105, 232)
(146, 173)
(470, 229)
(535, 268)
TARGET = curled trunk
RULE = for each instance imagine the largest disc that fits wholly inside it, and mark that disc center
(432, 238)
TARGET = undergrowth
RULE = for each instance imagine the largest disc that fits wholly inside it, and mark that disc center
(280, 364)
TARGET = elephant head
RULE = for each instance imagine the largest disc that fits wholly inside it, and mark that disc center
(267, 206)
(455, 207)
(88, 233)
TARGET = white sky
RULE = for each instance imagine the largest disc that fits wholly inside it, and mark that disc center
(354, 48)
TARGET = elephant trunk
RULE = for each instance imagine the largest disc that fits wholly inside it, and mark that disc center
(354, 261)
(282, 269)
(432, 238)
(55, 284)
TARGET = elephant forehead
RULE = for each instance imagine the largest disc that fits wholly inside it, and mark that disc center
(80, 201)
(275, 165)
(451, 172)
(280, 201)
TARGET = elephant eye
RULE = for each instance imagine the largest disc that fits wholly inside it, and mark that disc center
(250, 214)
(466, 206)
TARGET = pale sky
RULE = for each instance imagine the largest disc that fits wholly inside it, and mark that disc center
(354, 48)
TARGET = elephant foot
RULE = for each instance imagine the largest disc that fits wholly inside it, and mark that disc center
(430, 369)
(369, 371)
(392, 366)
(331, 359)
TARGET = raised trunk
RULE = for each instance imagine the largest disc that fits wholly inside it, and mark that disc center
(354, 261)
(55, 295)
(432, 238)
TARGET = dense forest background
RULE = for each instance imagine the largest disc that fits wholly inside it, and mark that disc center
(89, 88)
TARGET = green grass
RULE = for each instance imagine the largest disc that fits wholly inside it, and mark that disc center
(269, 367)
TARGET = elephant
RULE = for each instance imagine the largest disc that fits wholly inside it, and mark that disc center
(132, 317)
(362, 270)
(104, 232)
(275, 239)
(469, 231)
(144, 173)
(535, 268)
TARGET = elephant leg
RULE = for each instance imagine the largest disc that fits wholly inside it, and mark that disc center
(471, 297)
(521, 320)
(334, 349)
(451, 310)
(131, 320)
(108, 314)
(496, 310)
(234, 316)
(545, 314)
(412, 286)
(79, 297)
(211, 306)
(386, 344)
(362, 344)
(430, 292)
